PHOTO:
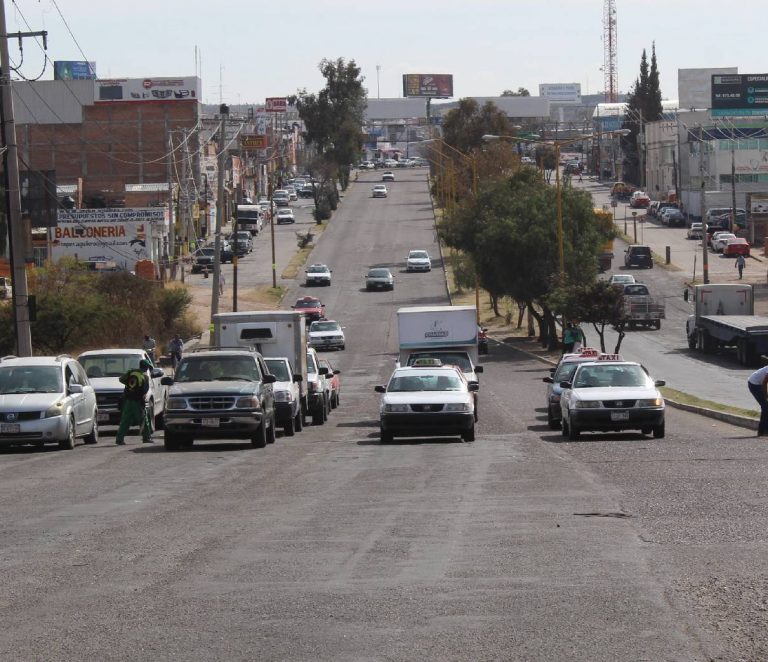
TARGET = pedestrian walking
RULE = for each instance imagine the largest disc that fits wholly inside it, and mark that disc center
(222, 283)
(740, 264)
(569, 338)
(579, 339)
(175, 348)
(149, 346)
(758, 384)
(134, 408)
(580, 171)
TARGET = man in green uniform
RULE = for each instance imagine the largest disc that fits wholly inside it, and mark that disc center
(134, 410)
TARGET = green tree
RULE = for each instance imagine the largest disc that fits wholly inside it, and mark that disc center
(521, 92)
(465, 125)
(333, 117)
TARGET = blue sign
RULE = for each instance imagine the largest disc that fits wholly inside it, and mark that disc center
(74, 70)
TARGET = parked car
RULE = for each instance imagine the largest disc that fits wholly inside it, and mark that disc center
(672, 216)
(326, 334)
(379, 279)
(334, 381)
(311, 307)
(242, 242)
(292, 194)
(720, 239)
(285, 215)
(721, 217)
(281, 198)
(621, 279)
(307, 191)
(639, 200)
(318, 274)
(318, 389)
(653, 208)
(696, 231)
(638, 256)
(737, 246)
(379, 191)
(46, 400)
(418, 260)
(104, 367)
(287, 394)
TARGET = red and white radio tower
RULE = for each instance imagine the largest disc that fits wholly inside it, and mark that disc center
(610, 69)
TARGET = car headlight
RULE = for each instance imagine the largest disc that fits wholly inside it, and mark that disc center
(283, 396)
(587, 404)
(56, 409)
(176, 403)
(656, 402)
(392, 409)
(458, 406)
(248, 402)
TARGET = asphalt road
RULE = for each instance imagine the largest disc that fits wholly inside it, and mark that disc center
(330, 546)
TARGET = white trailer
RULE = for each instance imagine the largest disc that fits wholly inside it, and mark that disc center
(445, 332)
(273, 333)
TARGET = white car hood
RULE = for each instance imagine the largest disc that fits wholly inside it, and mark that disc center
(419, 260)
(323, 334)
(282, 386)
(616, 393)
(101, 384)
(28, 401)
(425, 397)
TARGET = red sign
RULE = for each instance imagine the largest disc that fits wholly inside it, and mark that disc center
(253, 142)
(276, 104)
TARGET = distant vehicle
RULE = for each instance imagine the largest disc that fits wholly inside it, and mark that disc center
(641, 308)
(720, 218)
(639, 200)
(379, 191)
(242, 240)
(527, 160)
(379, 279)
(638, 256)
(334, 381)
(285, 215)
(326, 334)
(696, 231)
(311, 307)
(737, 246)
(390, 163)
(622, 191)
(720, 239)
(318, 274)
(672, 216)
(281, 198)
(287, 393)
(367, 165)
(307, 191)
(249, 217)
(418, 261)
(388, 176)
(621, 279)
(292, 194)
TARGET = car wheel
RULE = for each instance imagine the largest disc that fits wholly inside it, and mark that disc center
(289, 429)
(659, 431)
(271, 431)
(469, 435)
(259, 438)
(68, 443)
(160, 420)
(646, 430)
(318, 414)
(299, 420)
(93, 436)
(171, 441)
(386, 436)
(657, 324)
(573, 432)
(334, 404)
(187, 442)
(552, 422)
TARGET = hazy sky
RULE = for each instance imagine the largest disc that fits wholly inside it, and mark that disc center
(260, 48)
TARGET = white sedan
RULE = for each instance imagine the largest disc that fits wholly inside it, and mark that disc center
(720, 240)
(285, 215)
(418, 261)
(610, 395)
(326, 334)
(379, 191)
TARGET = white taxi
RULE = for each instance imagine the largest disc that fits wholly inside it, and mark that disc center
(611, 395)
(427, 402)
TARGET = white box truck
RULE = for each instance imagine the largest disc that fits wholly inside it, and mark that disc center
(448, 333)
(273, 333)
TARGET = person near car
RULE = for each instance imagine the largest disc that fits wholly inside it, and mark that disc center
(740, 264)
(579, 339)
(175, 348)
(758, 384)
(149, 345)
(569, 338)
(134, 410)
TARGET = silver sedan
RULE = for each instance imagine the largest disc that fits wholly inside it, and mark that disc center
(379, 279)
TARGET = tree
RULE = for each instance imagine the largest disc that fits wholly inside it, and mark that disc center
(465, 125)
(521, 92)
(334, 116)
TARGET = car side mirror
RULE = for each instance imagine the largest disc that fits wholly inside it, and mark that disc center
(566, 384)
(269, 379)
(323, 371)
(337, 372)
(167, 381)
(298, 379)
(660, 382)
(380, 389)
(548, 380)
(473, 386)
(552, 371)
(478, 369)
(157, 373)
(75, 388)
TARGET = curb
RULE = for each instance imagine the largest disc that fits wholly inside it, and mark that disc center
(732, 419)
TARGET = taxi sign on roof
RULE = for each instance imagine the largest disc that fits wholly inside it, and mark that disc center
(610, 357)
(589, 351)
(427, 363)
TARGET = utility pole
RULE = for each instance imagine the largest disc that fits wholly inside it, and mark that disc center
(733, 187)
(20, 295)
(169, 248)
(222, 160)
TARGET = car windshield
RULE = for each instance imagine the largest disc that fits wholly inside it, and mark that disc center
(460, 359)
(30, 379)
(407, 383)
(418, 255)
(324, 326)
(379, 273)
(311, 365)
(279, 369)
(205, 251)
(109, 365)
(244, 235)
(217, 368)
(308, 303)
(565, 372)
(610, 375)
(317, 269)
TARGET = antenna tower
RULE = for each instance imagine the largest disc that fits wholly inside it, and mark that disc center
(610, 69)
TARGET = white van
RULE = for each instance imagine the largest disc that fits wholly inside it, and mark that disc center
(249, 218)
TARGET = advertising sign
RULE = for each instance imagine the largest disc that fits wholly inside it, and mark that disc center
(739, 94)
(428, 85)
(253, 142)
(78, 70)
(561, 92)
(757, 204)
(147, 89)
(123, 236)
(276, 104)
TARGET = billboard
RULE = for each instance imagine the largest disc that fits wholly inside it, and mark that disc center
(120, 235)
(694, 86)
(276, 104)
(561, 92)
(439, 86)
(147, 89)
(253, 142)
(73, 70)
(739, 94)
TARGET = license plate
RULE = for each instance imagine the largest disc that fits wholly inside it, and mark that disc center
(210, 422)
(327, 342)
(619, 415)
(102, 416)
(9, 428)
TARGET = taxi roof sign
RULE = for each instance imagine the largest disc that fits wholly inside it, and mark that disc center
(589, 351)
(610, 357)
(427, 363)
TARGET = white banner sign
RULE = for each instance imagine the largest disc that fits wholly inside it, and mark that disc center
(147, 89)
